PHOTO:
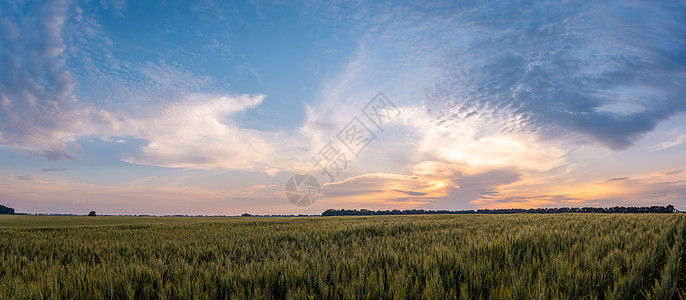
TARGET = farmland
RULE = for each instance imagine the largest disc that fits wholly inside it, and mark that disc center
(612, 256)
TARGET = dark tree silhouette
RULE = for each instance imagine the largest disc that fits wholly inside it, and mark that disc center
(609, 210)
(6, 210)
(92, 213)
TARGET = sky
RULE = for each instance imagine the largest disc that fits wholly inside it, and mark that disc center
(211, 107)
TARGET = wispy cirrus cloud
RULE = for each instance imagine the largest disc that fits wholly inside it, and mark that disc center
(671, 143)
(25, 177)
(52, 169)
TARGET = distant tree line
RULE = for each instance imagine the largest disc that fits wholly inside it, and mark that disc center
(6, 210)
(602, 210)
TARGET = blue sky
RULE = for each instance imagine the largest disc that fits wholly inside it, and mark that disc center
(207, 107)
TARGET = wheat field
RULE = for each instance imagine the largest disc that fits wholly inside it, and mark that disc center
(519, 256)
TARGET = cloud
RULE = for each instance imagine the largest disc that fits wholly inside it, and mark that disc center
(36, 105)
(40, 112)
(456, 144)
(271, 171)
(25, 177)
(532, 201)
(51, 169)
(431, 184)
(487, 90)
(411, 193)
(606, 73)
(79, 201)
(655, 188)
(479, 186)
(379, 190)
(117, 5)
(674, 172)
(38, 109)
(199, 133)
(466, 144)
(674, 142)
(520, 84)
